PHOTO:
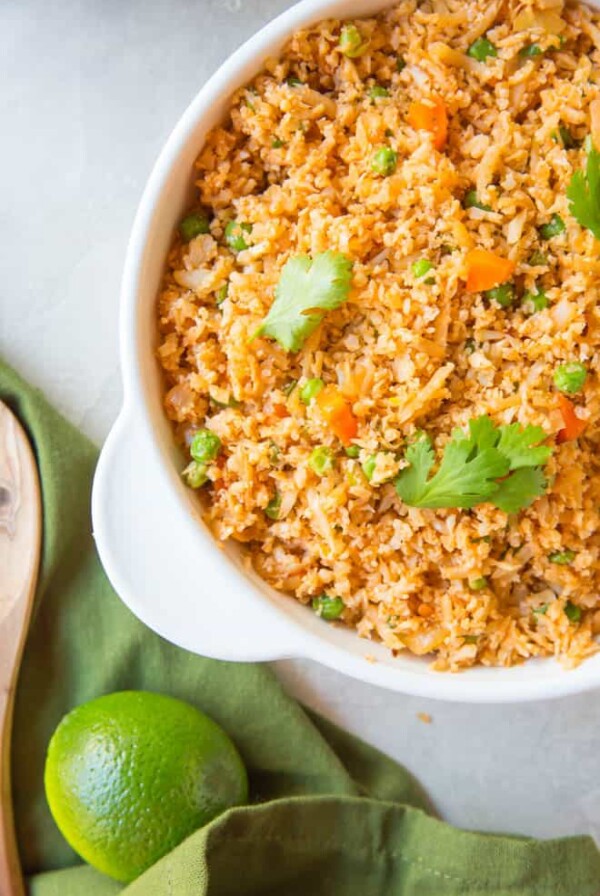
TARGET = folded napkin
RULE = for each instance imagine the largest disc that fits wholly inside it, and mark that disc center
(329, 814)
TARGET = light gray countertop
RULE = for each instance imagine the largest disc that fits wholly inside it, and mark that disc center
(89, 90)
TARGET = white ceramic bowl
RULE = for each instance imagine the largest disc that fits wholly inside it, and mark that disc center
(154, 546)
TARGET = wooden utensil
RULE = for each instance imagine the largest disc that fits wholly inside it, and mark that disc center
(20, 542)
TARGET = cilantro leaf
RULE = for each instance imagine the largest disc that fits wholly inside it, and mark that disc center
(583, 193)
(307, 288)
(483, 432)
(496, 464)
(413, 479)
(522, 446)
(466, 476)
(520, 490)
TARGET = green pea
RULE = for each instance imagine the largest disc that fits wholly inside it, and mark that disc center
(503, 294)
(553, 227)
(352, 451)
(276, 143)
(328, 608)
(321, 460)
(421, 267)
(530, 51)
(471, 201)
(478, 584)
(538, 259)
(193, 225)
(384, 161)
(205, 446)
(377, 91)
(221, 293)
(195, 474)
(481, 48)
(368, 467)
(571, 377)
(310, 390)
(534, 301)
(273, 507)
(351, 42)
(562, 558)
(541, 611)
(567, 139)
(234, 235)
(572, 612)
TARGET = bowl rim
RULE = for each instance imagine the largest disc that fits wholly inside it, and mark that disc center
(495, 685)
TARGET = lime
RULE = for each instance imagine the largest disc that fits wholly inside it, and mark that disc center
(130, 775)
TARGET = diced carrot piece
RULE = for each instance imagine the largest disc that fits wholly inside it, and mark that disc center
(338, 413)
(280, 410)
(430, 116)
(574, 425)
(485, 270)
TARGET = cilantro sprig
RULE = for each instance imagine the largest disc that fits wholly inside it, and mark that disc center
(583, 194)
(501, 465)
(307, 289)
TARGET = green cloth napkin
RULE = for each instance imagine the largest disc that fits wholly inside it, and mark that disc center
(329, 814)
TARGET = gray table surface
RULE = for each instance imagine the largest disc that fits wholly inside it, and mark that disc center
(89, 90)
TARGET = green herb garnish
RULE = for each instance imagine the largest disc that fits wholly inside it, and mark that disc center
(496, 464)
(307, 288)
(583, 193)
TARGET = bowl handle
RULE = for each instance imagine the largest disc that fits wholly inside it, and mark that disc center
(168, 569)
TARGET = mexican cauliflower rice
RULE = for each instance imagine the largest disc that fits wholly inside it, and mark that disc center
(380, 328)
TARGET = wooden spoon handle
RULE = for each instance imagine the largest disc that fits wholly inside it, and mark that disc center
(20, 540)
